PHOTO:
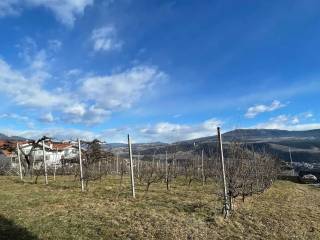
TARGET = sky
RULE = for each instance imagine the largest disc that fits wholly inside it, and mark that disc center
(159, 70)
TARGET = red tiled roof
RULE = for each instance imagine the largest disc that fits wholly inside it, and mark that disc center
(60, 146)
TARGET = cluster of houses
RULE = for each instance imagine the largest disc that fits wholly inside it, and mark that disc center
(55, 153)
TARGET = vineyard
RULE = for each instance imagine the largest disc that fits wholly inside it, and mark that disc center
(60, 211)
(155, 193)
(242, 171)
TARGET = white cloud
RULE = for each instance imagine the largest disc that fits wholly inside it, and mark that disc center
(308, 115)
(23, 90)
(170, 132)
(121, 90)
(65, 11)
(91, 100)
(295, 120)
(73, 72)
(80, 113)
(287, 122)
(15, 116)
(105, 39)
(76, 109)
(56, 133)
(48, 117)
(303, 127)
(162, 131)
(257, 109)
(278, 122)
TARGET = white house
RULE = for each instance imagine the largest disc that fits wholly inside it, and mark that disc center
(54, 152)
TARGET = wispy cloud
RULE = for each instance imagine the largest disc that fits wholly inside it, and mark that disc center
(288, 122)
(9, 7)
(164, 131)
(48, 117)
(15, 116)
(54, 45)
(56, 133)
(105, 39)
(65, 11)
(258, 109)
(121, 90)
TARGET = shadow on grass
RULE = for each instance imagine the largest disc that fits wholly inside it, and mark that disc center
(9, 230)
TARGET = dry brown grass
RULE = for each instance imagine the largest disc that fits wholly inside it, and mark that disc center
(60, 211)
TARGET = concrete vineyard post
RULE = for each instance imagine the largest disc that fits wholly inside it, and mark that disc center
(225, 190)
(131, 168)
(80, 162)
(44, 162)
(19, 159)
(202, 168)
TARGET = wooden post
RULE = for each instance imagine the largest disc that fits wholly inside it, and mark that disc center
(80, 162)
(131, 168)
(19, 159)
(202, 168)
(225, 190)
(44, 161)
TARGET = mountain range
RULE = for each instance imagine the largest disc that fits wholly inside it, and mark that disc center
(304, 145)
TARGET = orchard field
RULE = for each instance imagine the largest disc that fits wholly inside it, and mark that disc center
(60, 210)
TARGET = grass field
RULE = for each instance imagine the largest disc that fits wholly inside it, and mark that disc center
(60, 211)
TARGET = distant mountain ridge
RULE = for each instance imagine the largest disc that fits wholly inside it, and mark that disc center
(271, 133)
(260, 135)
(11, 138)
(304, 145)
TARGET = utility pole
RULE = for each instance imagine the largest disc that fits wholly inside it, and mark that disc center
(19, 159)
(80, 162)
(225, 191)
(131, 168)
(44, 161)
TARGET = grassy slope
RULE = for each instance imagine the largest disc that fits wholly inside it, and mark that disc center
(60, 211)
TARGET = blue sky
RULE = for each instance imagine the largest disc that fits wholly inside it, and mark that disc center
(159, 70)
